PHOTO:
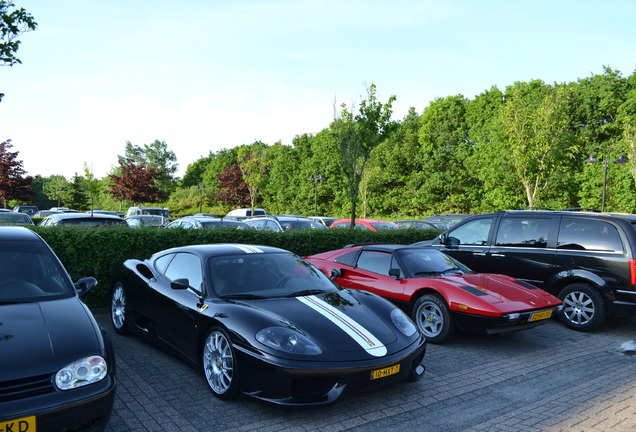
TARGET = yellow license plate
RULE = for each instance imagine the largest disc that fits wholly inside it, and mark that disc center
(381, 373)
(540, 315)
(25, 424)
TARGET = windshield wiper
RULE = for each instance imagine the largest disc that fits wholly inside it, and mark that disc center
(242, 296)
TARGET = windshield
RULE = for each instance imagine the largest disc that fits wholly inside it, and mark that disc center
(426, 262)
(265, 275)
(30, 272)
(384, 225)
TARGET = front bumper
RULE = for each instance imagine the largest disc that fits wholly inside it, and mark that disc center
(480, 324)
(281, 382)
(86, 409)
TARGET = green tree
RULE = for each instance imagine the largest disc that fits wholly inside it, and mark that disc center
(254, 163)
(537, 124)
(358, 135)
(55, 188)
(156, 156)
(78, 196)
(13, 22)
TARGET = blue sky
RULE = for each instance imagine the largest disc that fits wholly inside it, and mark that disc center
(207, 75)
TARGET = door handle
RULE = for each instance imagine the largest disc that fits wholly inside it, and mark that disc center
(498, 255)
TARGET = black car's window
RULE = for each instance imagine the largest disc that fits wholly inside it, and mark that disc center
(375, 261)
(162, 262)
(472, 233)
(584, 234)
(30, 272)
(186, 265)
(523, 232)
(265, 275)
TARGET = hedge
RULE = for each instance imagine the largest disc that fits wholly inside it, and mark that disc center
(93, 252)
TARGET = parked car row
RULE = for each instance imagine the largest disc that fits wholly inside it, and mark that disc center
(264, 323)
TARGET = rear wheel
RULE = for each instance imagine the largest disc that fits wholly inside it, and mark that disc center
(118, 316)
(433, 318)
(219, 365)
(583, 307)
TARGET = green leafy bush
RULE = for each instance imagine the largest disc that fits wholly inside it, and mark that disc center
(93, 252)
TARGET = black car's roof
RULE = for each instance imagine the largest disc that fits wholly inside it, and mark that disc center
(221, 249)
(17, 233)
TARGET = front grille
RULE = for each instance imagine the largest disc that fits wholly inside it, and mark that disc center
(312, 386)
(26, 387)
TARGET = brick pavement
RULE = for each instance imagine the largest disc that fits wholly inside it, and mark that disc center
(545, 379)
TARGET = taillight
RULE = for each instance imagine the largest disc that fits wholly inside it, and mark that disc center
(632, 271)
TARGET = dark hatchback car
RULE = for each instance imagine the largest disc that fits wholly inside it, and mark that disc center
(586, 259)
(57, 367)
(83, 220)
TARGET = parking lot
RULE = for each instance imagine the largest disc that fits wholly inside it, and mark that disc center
(546, 379)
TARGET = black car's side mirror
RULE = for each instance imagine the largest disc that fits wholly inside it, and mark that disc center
(85, 284)
(180, 284)
(335, 273)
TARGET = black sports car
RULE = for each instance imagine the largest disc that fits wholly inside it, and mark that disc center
(57, 367)
(264, 322)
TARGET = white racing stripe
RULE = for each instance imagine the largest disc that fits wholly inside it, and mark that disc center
(362, 336)
(248, 249)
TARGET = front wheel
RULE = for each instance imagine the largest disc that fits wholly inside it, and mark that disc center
(583, 307)
(433, 318)
(118, 316)
(219, 365)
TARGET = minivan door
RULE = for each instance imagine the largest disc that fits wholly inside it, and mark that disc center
(468, 242)
(523, 246)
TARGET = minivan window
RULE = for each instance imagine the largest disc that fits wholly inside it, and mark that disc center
(472, 233)
(580, 234)
(523, 232)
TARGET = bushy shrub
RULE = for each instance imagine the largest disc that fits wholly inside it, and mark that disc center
(93, 252)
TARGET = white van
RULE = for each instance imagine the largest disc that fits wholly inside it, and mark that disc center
(244, 213)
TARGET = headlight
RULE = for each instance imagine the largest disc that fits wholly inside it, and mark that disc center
(403, 322)
(82, 372)
(287, 340)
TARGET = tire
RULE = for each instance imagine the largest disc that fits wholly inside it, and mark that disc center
(118, 312)
(432, 316)
(220, 367)
(583, 307)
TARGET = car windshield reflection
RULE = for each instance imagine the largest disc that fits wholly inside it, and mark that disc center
(260, 276)
(29, 272)
(425, 262)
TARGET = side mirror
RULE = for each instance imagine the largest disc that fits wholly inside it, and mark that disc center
(335, 273)
(394, 272)
(85, 284)
(180, 284)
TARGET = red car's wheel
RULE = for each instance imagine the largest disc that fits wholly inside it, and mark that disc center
(432, 316)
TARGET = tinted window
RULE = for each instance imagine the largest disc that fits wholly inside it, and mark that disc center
(523, 232)
(185, 265)
(30, 272)
(473, 233)
(377, 262)
(582, 234)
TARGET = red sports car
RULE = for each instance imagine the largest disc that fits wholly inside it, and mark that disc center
(440, 294)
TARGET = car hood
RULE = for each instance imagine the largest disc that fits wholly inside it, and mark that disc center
(499, 289)
(340, 322)
(41, 338)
